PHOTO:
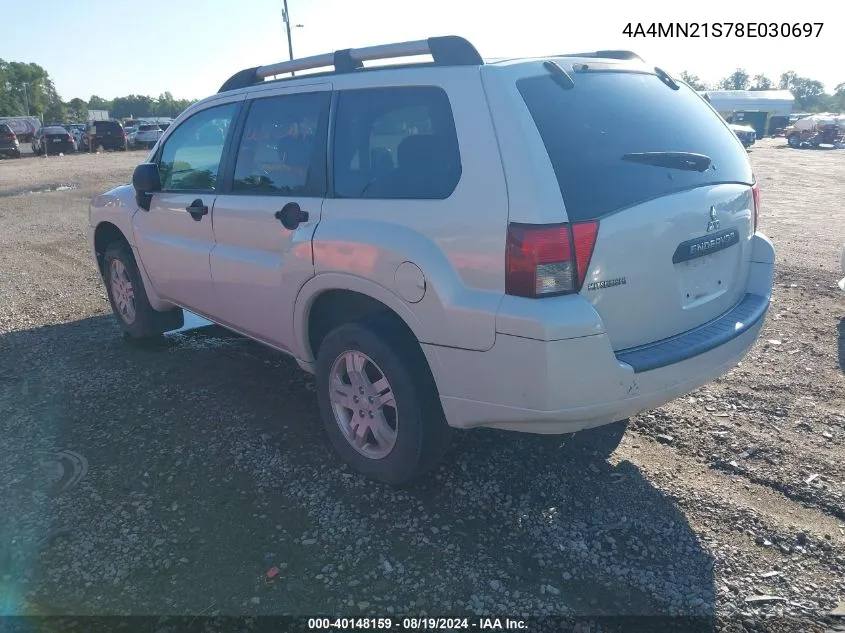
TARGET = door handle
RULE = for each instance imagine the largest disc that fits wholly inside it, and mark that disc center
(291, 216)
(197, 209)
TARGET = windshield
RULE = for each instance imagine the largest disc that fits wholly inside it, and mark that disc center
(591, 130)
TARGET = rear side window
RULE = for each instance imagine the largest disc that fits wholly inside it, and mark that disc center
(395, 143)
(282, 148)
(607, 115)
(4, 129)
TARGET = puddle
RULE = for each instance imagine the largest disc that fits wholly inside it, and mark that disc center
(22, 191)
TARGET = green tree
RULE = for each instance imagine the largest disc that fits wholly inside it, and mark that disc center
(77, 109)
(694, 82)
(761, 82)
(98, 103)
(737, 80)
(787, 79)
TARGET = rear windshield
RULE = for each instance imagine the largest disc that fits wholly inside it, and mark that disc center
(4, 129)
(53, 129)
(147, 128)
(589, 128)
(105, 126)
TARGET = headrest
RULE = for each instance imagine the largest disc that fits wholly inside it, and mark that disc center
(420, 149)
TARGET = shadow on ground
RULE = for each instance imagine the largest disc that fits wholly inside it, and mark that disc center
(206, 464)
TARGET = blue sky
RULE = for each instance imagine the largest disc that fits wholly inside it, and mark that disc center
(190, 47)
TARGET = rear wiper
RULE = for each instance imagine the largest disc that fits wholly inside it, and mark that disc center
(675, 160)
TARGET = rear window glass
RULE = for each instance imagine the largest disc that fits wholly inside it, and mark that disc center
(589, 128)
(52, 129)
(147, 128)
(4, 129)
(107, 126)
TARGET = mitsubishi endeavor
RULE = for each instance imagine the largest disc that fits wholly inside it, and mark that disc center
(544, 245)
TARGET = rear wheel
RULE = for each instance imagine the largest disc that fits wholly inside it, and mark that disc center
(794, 141)
(378, 401)
(128, 298)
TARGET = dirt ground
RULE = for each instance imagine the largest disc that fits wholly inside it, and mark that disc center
(168, 479)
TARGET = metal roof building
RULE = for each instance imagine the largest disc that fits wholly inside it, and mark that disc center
(775, 102)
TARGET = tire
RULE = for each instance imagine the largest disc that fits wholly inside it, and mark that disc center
(128, 298)
(420, 434)
(794, 141)
(600, 441)
(16, 154)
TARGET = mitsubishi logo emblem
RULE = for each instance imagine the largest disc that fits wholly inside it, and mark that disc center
(713, 224)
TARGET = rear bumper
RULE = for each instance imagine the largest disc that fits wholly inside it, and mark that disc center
(562, 386)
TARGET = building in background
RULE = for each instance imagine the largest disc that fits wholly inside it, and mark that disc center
(765, 110)
(98, 115)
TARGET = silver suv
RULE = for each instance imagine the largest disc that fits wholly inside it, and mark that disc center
(544, 245)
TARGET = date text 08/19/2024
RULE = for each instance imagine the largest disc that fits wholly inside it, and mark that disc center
(416, 624)
(723, 29)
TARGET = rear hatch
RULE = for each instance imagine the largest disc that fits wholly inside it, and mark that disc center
(669, 185)
(7, 136)
(109, 130)
(55, 135)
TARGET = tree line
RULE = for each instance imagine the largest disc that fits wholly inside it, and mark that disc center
(28, 89)
(810, 95)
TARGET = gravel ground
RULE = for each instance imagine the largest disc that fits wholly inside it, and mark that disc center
(169, 479)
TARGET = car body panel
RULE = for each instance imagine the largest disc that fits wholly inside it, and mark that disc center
(550, 365)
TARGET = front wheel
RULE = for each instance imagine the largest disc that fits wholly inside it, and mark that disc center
(794, 141)
(128, 299)
(378, 401)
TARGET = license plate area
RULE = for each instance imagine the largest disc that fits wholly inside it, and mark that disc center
(705, 267)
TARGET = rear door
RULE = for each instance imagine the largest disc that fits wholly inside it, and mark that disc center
(265, 219)
(670, 186)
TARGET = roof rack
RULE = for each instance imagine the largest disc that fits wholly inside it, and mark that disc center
(628, 55)
(447, 50)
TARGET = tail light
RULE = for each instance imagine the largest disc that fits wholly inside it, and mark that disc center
(755, 190)
(548, 260)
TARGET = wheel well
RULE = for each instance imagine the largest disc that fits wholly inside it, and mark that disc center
(336, 307)
(105, 234)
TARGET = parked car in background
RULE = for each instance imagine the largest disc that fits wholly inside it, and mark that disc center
(9, 144)
(53, 139)
(108, 135)
(441, 255)
(147, 135)
(746, 134)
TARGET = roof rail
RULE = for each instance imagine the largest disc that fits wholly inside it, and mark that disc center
(447, 50)
(608, 55)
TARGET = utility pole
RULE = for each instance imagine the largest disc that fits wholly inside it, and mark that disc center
(26, 99)
(286, 17)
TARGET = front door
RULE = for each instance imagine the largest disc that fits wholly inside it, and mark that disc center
(174, 238)
(266, 214)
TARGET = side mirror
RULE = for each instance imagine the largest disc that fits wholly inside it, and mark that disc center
(146, 181)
